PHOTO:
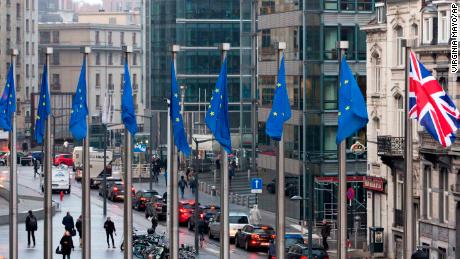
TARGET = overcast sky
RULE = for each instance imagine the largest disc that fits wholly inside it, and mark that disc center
(90, 1)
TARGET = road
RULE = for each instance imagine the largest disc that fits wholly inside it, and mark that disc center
(72, 203)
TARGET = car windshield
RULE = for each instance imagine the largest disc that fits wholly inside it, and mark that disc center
(188, 206)
(263, 230)
(238, 219)
(290, 241)
(149, 194)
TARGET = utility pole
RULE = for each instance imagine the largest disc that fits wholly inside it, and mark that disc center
(86, 195)
(280, 213)
(342, 215)
(13, 198)
(173, 195)
(224, 186)
(128, 202)
(408, 200)
(47, 181)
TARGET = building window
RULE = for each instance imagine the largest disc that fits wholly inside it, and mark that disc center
(98, 58)
(122, 38)
(18, 35)
(267, 96)
(45, 37)
(97, 37)
(330, 93)
(134, 39)
(381, 12)
(98, 101)
(56, 83)
(399, 49)
(399, 116)
(347, 5)
(33, 70)
(27, 25)
(18, 11)
(443, 27)
(134, 59)
(399, 191)
(414, 33)
(330, 43)
(427, 191)
(444, 195)
(362, 48)
(442, 253)
(268, 7)
(376, 63)
(55, 36)
(33, 25)
(33, 48)
(27, 5)
(330, 133)
(27, 48)
(427, 30)
(266, 39)
(27, 70)
(110, 58)
(56, 58)
(98, 80)
(135, 81)
(109, 36)
(27, 93)
(8, 22)
(110, 79)
(330, 4)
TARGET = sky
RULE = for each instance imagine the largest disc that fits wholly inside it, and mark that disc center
(89, 1)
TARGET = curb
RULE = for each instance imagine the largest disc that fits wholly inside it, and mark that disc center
(39, 213)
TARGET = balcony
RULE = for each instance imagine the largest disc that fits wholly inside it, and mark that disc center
(399, 218)
(390, 146)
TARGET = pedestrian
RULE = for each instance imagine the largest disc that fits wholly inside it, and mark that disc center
(325, 232)
(68, 222)
(78, 226)
(193, 184)
(31, 227)
(166, 178)
(201, 228)
(109, 231)
(187, 175)
(182, 185)
(254, 215)
(66, 245)
(36, 166)
(154, 221)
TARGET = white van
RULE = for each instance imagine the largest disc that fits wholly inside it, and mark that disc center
(96, 158)
(60, 179)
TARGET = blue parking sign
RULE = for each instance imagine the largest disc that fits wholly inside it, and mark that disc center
(256, 185)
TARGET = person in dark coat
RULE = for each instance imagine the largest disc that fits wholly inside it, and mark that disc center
(109, 230)
(68, 222)
(154, 222)
(325, 232)
(31, 227)
(78, 226)
(66, 245)
(182, 184)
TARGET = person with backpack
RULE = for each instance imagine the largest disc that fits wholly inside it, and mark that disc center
(109, 230)
(182, 185)
(31, 227)
(68, 222)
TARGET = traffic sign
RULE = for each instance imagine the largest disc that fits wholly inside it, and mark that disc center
(256, 185)
(351, 193)
(139, 148)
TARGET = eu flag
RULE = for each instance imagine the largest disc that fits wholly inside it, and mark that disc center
(352, 107)
(217, 115)
(281, 109)
(8, 102)
(78, 126)
(128, 114)
(43, 109)
(180, 139)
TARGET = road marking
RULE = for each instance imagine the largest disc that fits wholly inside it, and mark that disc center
(214, 251)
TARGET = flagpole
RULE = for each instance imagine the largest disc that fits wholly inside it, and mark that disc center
(280, 213)
(86, 195)
(254, 85)
(408, 201)
(128, 201)
(342, 215)
(173, 177)
(47, 182)
(13, 176)
(224, 186)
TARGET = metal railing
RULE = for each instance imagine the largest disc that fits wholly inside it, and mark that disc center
(390, 146)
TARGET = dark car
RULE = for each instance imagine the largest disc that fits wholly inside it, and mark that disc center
(254, 237)
(290, 239)
(300, 251)
(207, 213)
(116, 191)
(110, 180)
(141, 198)
(156, 203)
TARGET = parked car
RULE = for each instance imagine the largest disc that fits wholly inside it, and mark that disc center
(290, 239)
(116, 191)
(141, 198)
(110, 179)
(300, 251)
(237, 220)
(254, 236)
(186, 209)
(63, 159)
(206, 212)
(157, 203)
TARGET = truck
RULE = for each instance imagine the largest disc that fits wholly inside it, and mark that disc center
(60, 179)
(96, 158)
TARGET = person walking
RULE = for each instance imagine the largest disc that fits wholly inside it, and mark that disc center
(109, 230)
(66, 245)
(31, 227)
(254, 215)
(154, 221)
(166, 178)
(36, 166)
(182, 185)
(193, 184)
(325, 232)
(78, 226)
(68, 222)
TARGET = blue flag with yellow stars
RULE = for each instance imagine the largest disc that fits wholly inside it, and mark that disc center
(217, 115)
(43, 109)
(352, 107)
(78, 126)
(128, 115)
(8, 102)
(180, 139)
(281, 108)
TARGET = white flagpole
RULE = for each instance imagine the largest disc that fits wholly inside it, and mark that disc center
(13, 199)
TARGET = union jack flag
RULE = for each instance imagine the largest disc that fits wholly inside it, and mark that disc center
(430, 105)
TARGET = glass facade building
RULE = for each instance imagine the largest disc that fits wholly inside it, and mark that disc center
(199, 26)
